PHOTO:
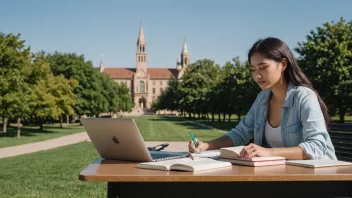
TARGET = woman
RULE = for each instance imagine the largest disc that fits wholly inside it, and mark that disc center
(288, 117)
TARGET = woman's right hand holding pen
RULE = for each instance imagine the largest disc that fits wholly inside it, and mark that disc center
(202, 146)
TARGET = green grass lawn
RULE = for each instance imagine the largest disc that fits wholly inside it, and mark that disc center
(31, 134)
(52, 173)
(348, 119)
(160, 128)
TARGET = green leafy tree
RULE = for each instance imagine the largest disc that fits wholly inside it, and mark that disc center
(225, 99)
(51, 96)
(326, 58)
(246, 89)
(65, 97)
(15, 63)
(89, 91)
(170, 98)
(199, 79)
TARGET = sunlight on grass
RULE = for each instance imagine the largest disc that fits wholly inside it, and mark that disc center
(52, 173)
(30, 134)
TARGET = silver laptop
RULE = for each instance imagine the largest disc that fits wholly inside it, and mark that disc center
(119, 138)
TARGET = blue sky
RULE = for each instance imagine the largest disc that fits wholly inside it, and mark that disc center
(219, 30)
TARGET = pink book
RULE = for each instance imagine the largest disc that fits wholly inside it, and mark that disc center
(254, 163)
(231, 154)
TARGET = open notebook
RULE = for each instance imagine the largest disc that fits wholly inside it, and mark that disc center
(318, 163)
(185, 164)
(232, 154)
(209, 153)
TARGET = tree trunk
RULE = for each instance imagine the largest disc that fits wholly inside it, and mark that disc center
(18, 128)
(67, 119)
(212, 117)
(4, 129)
(60, 121)
(342, 112)
(206, 117)
(223, 117)
(239, 116)
(41, 125)
(219, 114)
(189, 115)
(229, 117)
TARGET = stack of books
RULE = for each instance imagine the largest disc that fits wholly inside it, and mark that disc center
(232, 154)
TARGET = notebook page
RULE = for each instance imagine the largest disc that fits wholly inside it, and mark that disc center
(236, 149)
(205, 164)
(210, 153)
(168, 163)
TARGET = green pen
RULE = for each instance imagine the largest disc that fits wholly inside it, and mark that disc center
(193, 138)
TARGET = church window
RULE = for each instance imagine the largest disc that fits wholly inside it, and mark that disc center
(153, 90)
(161, 90)
(161, 82)
(186, 61)
(141, 86)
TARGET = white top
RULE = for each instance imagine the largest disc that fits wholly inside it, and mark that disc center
(273, 136)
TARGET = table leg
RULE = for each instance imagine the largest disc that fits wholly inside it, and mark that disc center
(113, 190)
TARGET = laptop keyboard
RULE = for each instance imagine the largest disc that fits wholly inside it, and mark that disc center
(161, 154)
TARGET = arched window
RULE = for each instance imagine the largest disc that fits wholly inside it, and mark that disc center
(140, 48)
(141, 86)
(143, 48)
(185, 61)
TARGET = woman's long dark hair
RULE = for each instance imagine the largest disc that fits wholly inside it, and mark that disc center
(276, 50)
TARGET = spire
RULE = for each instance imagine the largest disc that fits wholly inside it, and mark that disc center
(141, 33)
(178, 64)
(184, 50)
(101, 63)
(179, 60)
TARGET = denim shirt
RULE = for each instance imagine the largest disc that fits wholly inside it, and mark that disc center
(302, 123)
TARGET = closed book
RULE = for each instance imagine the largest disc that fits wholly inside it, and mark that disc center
(185, 164)
(249, 162)
(318, 163)
(234, 153)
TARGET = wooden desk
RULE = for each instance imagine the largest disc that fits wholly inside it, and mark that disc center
(125, 179)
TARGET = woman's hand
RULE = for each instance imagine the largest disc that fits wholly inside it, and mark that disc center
(253, 150)
(202, 146)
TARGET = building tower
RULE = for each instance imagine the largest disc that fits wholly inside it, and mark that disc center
(141, 55)
(183, 61)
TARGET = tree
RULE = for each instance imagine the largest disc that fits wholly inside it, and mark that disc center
(326, 58)
(170, 98)
(51, 96)
(89, 91)
(246, 89)
(124, 97)
(199, 79)
(15, 63)
(225, 100)
(65, 98)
